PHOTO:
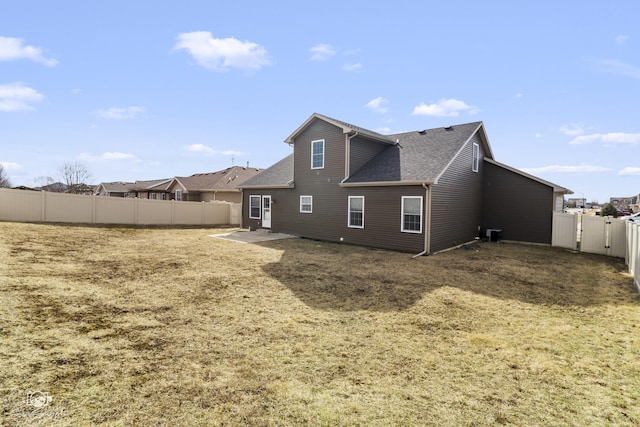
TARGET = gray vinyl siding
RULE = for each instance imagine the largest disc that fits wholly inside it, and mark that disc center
(456, 201)
(363, 150)
(521, 207)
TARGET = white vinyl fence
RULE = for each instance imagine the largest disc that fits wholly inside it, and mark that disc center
(42, 206)
(600, 235)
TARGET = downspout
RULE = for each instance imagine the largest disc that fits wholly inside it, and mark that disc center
(427, 223)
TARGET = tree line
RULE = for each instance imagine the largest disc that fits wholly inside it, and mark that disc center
(74, 177)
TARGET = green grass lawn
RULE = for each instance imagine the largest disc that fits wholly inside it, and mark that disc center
(171, 327)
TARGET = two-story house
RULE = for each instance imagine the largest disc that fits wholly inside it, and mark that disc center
(422, 192)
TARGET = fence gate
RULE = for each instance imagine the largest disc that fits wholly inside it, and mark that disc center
(565, 230)
(603, 235)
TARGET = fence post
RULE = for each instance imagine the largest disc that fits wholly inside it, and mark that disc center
(43, 206)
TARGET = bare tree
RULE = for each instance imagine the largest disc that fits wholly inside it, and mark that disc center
(75, 176)
(4, 178)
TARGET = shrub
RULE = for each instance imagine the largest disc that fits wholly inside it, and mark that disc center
(609, 210)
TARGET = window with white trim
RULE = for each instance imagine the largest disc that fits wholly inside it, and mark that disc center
(179, 195)
(317, 154)
(306, 204)
(254, 207)
(411, 214)
(356, 211)
(476, 157)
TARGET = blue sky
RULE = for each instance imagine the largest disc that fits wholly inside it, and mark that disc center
(138, 90)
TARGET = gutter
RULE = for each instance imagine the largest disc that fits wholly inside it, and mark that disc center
(427, 223)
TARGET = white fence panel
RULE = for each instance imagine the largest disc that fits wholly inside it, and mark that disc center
(113, 210)
(68, 208)
(593, 238)
(156, 212)
(617, 239)
(38, 206)
(565, 230)
(18, 205)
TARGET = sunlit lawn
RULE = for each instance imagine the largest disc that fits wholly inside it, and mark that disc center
(123, 326)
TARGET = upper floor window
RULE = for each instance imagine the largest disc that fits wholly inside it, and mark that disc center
(254, 207)
(411, 214)
(317, 154)
(306, 204)
(356, 211)
(476, 157)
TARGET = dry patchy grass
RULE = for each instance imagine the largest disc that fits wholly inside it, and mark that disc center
(127, 326)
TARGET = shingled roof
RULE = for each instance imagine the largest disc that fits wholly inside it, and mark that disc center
(278, 175)
(419, 156)
(227, 179)
(411, 157)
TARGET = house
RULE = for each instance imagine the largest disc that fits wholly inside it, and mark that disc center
(151, 189)
(421, 192)
(624, 203)
(204, 187)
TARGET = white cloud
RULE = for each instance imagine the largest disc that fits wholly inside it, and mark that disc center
(384, 130)
(352, 67)
(613, 66)
(630, 170)
(18, 97)
(200, 148)
(621, 38)
(12, 48)
(518, 96)
(444, 108)
(571, 129)
(208, 151)
(378, 105)
(322, 52)
(223, 54)
(564, 169)
(107, 157)
(119, 113)
(614, 138)
(538, 135)
(11, 166)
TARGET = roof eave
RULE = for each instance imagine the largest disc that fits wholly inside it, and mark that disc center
(556, 188)
(385, 183)
(252, 187)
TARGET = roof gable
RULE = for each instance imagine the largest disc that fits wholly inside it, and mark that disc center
(347, 128)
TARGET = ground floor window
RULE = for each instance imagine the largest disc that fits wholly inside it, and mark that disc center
(179, 195)
(254, 207)
(411, 214)
(306, 204)
(356, 211)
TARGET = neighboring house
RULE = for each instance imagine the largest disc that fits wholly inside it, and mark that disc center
(624, 203)
(579, 202)
(421, 192)
(204, 187)
(153, 189)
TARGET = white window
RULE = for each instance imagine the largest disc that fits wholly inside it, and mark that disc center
(178, 195)
(254, 207)
(476, 157)
(306, 204)
(411, 214)
(356, 211)
(152, 196)
(317, 154)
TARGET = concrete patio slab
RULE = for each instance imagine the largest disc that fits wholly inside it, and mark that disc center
(245, 236)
